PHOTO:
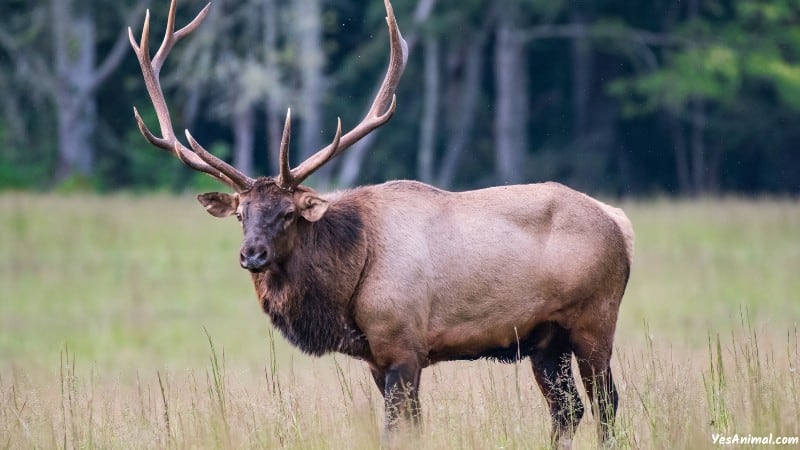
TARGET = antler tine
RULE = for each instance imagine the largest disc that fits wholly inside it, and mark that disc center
(286, 179)
(379, 113)
(172, 37)
(225, 170)
(200, 159)
(193, 162)
(398, 48)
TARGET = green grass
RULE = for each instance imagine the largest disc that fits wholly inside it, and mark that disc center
(126, 322)
(117, 279)
(698, 263)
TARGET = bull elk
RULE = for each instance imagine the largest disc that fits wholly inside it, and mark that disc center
(403, 275)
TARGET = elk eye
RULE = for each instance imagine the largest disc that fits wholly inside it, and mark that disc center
(238, 216)
(289, 215)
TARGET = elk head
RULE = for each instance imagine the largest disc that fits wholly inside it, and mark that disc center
(269, 216)
(269, 208)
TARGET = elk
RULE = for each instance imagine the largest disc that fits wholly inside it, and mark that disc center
(403, 275)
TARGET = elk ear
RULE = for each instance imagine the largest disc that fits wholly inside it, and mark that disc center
(311, 207)
(218, 204)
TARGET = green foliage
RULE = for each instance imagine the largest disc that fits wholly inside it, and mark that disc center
(736, 61)
(716, 59)
(11, 177)
(730, 77)
(23, 165)
(77, 184)
(710, 73)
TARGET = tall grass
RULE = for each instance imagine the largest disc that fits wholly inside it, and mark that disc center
(125, 322)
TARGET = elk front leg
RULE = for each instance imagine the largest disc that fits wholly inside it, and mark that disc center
(399, 385)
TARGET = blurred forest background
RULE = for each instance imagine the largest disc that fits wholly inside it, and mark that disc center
(618, 97)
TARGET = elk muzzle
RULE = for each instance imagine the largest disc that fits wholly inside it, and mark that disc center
(254, 258)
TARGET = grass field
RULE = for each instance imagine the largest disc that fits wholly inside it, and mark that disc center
(126, 322)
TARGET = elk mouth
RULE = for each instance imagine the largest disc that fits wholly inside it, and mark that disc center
(256, 268)
(261, 266)
(254, 264)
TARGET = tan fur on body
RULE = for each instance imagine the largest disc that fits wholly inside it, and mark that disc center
(451, 275)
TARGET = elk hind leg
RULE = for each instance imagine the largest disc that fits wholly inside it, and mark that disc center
(594, 363)
(551, 358)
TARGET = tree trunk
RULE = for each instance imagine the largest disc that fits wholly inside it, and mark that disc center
(430, 111)
(511, 113)
(699, 169)
(681, 157)
(76, 77)
(273, 106)
(73, 42)
(463, 110)
(581, 50)
(243, 138)
(75, 130)
(697, 123)
(308, 35)
(713, 185)
(352, 160)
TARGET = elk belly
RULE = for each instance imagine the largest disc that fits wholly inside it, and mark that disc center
(467, 343)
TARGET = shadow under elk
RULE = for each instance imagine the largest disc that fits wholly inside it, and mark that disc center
(403, 275)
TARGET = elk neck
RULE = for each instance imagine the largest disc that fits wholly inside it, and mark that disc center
(309, 297)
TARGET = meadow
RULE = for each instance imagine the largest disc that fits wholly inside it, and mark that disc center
(125, 322)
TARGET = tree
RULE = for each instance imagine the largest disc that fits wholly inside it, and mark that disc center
(467, 58)
(352, 162)
(623, 97)
(710, 84)
(224, 65)
(67, 71)
(511, 112)
(306, 35)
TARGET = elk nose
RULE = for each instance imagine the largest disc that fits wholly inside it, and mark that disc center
(252, 259)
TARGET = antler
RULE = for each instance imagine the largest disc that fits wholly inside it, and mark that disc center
(381, 111)
(199, 159)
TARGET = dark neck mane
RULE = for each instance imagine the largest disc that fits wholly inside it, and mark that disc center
(309, 296)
